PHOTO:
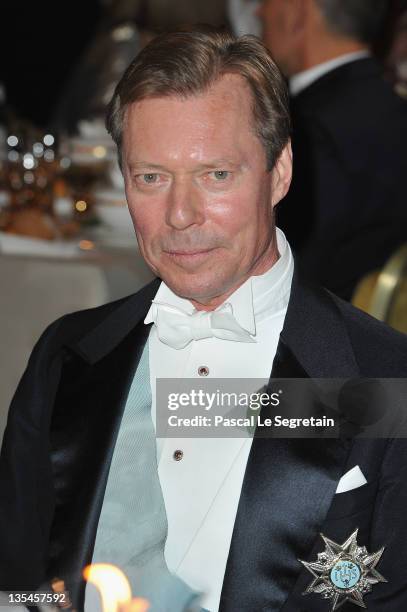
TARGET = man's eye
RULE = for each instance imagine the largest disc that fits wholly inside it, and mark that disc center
(149, 178)
(220, 175)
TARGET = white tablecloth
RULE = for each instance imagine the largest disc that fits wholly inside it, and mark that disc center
(37, 289)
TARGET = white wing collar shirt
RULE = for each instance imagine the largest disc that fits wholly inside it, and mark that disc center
(201, 484)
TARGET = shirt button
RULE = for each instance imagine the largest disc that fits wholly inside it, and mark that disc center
(203, 370)
(178, 454)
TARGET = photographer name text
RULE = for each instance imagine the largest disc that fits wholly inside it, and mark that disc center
(249, 421)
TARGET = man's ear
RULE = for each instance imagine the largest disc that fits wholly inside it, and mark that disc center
(281, 174)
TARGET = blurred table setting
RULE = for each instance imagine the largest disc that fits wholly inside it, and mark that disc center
(66, 236)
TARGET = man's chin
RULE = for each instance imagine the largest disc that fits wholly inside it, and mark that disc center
(194, 287)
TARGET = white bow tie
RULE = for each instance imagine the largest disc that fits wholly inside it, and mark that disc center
(177, 328)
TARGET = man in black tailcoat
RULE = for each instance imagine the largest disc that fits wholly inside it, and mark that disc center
(202, 126)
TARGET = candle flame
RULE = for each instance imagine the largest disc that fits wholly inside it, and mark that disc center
(136, 605)
(113, 586)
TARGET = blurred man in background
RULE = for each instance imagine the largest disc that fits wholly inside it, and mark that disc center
(346, 211)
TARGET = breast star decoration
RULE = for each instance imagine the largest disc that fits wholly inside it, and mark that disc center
(344, 572)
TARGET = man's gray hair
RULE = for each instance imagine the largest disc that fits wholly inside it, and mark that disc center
(359, 19)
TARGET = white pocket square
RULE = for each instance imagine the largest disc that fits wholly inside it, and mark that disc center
(351, 480)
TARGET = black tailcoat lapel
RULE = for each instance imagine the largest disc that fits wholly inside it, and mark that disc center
(289, 483)
(95, 380)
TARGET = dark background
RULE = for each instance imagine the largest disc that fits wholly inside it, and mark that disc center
(40, 42)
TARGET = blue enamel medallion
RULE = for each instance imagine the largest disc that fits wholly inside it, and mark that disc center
(345, 574)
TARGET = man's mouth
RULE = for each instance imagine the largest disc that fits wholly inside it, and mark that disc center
(189, 256)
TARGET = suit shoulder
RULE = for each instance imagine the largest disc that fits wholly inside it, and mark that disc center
(71, 327)
(345, 109)
(380, 350)
(351, 91)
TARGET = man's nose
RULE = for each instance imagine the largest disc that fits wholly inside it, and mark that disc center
(184, 205)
